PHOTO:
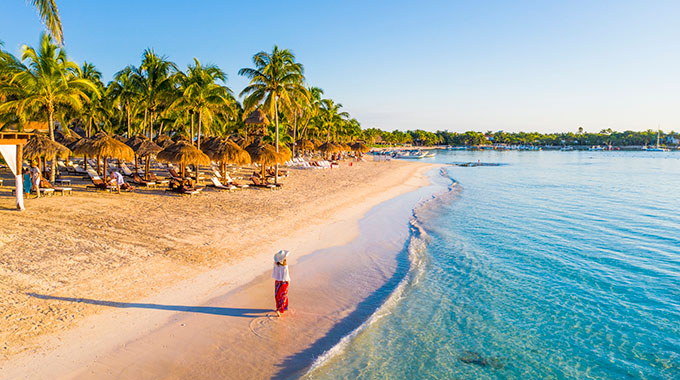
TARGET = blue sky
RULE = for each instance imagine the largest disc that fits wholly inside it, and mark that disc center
(456, 65)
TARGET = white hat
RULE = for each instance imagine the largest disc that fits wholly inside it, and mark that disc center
(280, 256)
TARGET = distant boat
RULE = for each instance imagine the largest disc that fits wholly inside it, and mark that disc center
(596, 148)
(566, 148)
(658, 148)
(410, 154)
(456, 148)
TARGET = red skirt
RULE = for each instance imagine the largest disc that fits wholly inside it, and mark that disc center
(281, 295)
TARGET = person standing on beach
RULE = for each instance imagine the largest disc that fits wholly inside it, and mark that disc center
(27, 182)
(35, 175)
(281, 281)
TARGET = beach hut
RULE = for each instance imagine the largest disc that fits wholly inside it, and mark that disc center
(183, 153)
(40, 147)
(258, 118)
(103, 145)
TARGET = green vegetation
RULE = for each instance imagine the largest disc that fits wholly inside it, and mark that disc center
(158, 98)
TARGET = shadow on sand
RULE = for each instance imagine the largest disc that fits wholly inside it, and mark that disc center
(296, 365)
(223, 311)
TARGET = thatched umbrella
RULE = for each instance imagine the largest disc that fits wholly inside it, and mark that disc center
(360, 147)
(305, 145)
(103, 145)
(40, 146)
(328, 147)
(134, 143)
(163, 141)
(146, 149)
(183, 153)
(64, 138)
(227, 152)
(265, 155)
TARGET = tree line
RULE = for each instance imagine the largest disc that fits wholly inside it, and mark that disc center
(580, 138)
(156, 98)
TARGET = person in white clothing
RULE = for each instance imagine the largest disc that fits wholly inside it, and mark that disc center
(281, 278)
(35, 176)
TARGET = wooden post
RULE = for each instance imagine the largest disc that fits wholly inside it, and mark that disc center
(19, 181)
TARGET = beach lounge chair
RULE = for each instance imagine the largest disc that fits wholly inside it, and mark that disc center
(98, 184)
(159, 181)
(137, 180)
(258, 183)
(218, 185)
(46, 187)
(126, 170)
(231, 182)
(174, 174)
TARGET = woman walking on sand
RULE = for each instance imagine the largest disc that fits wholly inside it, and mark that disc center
(281, 281)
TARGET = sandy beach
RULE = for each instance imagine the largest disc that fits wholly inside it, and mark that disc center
(86, 276)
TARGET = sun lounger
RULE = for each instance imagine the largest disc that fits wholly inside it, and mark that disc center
(258, 183)
(126, 170)
(231, 182)
(141, 182)
(46, 187)
(218, 185)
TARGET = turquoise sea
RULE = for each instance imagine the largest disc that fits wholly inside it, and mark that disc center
(550, 265)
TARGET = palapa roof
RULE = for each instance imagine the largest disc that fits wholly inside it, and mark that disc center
(225, 150)
(305, 145)
(135, 141)
(182, 152)
(360, 147)
(104, 145)
(257, 117)
(74, 145)
(266, 154)
(328, 147)
(163, 141)
(147, 148)
(40, 145)
(65, 138)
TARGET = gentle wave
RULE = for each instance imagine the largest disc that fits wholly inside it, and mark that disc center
(416, 247)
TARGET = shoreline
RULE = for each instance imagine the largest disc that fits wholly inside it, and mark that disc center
(64, 353)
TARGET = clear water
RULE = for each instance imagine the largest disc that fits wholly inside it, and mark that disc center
(555, 265)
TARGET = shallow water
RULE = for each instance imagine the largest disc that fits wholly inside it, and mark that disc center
(555, 265)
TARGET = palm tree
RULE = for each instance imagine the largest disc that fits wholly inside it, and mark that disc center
(156, 76)
(50, 16)
(125, 91)
(201, 95)
(90, 72)
(275, 78)
(331, 117)
(49, 80)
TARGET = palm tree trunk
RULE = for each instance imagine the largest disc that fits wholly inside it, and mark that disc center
(276, 134)
(191, 131)
(144, 126)
(294, 132)
(54, 158)
(99, 166)
(198, 140)
(89, 126)
(129, 135)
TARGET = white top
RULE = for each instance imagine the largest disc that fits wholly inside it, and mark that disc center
(119, 178)
(280, 273)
